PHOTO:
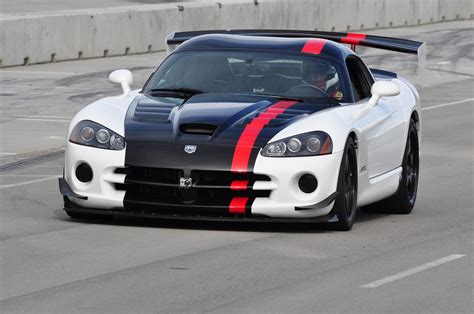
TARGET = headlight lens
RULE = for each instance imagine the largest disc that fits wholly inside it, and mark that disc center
(313, 144)
(275, 149)
(307, 144)
(93, 134)
(117, 142)
(102, 136)
(87, 134)
(294, 145)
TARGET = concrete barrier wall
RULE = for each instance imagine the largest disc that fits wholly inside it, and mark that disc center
(39, 38)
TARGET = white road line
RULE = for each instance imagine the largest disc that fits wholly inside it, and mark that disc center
(39, 120)
(35, 116)
(27, 182)
(40, 72)
(24, 175)
(448, 104)
(412, 271)
(47, 94)
(14, 87)
(8, 154)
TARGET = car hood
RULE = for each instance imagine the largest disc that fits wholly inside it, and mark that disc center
(157, 132)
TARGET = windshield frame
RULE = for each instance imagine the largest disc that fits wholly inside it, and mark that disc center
(342, 70)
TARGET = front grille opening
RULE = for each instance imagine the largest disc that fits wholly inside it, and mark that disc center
(120, 170)
(170, 195)
(158, 190)
(225, 178)
(198, 128)
(171, 177)
(154, 176)
(120, 187)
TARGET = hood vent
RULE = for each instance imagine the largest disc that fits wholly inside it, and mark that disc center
(198, 128)
(154, 111)
(283, 118)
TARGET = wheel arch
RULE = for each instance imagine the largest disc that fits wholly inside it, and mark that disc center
(352, 134)
(416, 117)
(354, 137)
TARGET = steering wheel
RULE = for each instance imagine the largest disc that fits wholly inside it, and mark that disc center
(272, 82)
(307, 90)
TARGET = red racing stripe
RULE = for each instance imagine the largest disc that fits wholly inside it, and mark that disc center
(240, 160)
(353, 38)
(238, 205)
(243, 150)
(239, 185)
(314, 46)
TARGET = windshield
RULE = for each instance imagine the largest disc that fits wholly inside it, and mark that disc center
(251, 72)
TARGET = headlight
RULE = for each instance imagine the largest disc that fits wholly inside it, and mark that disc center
(307, 144)
(93, 134)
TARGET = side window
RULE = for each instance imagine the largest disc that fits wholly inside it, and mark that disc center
(361, 79)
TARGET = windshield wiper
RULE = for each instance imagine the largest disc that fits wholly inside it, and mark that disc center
(180, 92)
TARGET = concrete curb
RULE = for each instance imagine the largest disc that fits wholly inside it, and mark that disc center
(49, 37)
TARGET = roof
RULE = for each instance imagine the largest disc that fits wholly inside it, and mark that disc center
(315, 46)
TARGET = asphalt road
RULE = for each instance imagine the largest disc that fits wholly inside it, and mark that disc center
(421, 262)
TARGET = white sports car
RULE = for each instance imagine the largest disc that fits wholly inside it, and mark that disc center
(251, 125)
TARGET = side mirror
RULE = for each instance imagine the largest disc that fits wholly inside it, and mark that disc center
(383, 89)
(122, 77)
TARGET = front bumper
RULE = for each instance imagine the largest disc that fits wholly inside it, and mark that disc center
(110, 191)
(71, 207)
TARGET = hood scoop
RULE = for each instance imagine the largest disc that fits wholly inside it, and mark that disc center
(156, 111)
(210, 119)
(198, 128)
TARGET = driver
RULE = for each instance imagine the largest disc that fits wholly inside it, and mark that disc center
(322, 76)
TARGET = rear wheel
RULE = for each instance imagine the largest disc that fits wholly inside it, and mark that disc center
(404, 200)
(346, 201)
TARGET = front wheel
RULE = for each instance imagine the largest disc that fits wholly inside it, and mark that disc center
(345, 206)
(404, 200)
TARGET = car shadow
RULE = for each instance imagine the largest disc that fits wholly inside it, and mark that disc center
(243, 226)
(363, 216)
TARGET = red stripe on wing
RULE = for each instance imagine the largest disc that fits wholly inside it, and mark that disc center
(353, 38)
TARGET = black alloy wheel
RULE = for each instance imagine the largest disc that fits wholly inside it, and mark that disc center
(345, 206)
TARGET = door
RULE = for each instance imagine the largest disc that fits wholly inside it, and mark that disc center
(382, 127)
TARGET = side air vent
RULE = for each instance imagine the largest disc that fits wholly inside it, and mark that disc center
(198, 128)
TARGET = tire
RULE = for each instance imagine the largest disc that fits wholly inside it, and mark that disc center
(345, 206)
(404, 200)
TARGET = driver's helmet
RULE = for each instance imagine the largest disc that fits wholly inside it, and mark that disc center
(318, 74)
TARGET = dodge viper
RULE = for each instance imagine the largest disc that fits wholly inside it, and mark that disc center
(251, 125)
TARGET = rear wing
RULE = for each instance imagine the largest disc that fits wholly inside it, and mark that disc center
(354, 39)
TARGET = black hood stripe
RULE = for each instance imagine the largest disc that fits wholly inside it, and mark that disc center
(243, 125)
